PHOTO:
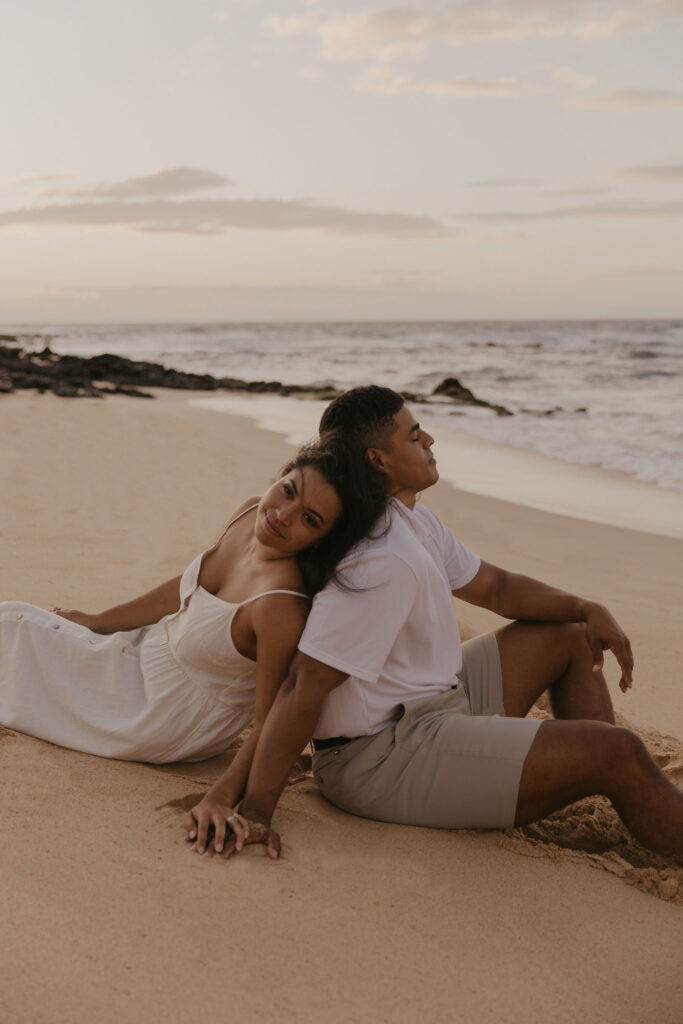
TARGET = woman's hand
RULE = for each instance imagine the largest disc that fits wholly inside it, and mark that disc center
(208, 823)
(82, 618)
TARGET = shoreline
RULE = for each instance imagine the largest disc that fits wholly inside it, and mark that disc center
(478, 466)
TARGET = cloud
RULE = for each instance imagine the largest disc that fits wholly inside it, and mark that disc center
(388, 32)
(601, 209)
(633, 99)
(171, 182)
(291, 25)
(585, 190)
(214, 216)
(562, 75)
(651, 172)
(503, 183)
(398, 280)
(384, 81)
(41, 179)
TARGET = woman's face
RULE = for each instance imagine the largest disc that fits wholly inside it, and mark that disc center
(297, 511)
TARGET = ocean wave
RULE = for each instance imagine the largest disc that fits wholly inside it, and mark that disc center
(627, 375)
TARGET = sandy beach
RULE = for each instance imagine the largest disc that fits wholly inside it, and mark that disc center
(108, 916)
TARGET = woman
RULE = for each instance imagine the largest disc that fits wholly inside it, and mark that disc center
(178, 673)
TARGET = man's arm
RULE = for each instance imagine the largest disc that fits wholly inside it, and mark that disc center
(286, 731)
(520, 597)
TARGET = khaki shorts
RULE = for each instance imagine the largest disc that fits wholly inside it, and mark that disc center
(451, 761)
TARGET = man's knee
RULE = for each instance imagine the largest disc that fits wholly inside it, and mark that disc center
(594, 749)
(629, 749)
(623, 758)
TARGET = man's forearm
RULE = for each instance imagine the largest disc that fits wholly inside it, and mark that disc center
(287, 729)
(521, 597)
(231, 785)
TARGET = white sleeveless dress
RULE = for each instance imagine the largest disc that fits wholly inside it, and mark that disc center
(177, 690)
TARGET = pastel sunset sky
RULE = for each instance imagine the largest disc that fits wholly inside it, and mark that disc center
(255, 160)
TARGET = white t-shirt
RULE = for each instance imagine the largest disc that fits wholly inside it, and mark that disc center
(393, 629)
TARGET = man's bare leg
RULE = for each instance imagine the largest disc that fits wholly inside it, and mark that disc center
(571, 760)
(540, 656)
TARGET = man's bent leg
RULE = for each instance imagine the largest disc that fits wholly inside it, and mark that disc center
(540, 656)
(571, 760)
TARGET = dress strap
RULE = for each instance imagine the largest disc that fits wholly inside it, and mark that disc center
(294, 593)
(214, 546)
(190, 578)
(242, 513)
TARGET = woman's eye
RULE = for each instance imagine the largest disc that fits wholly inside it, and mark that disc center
(287, 489)
(309, 520)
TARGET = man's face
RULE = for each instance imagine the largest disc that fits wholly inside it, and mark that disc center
(409, 462)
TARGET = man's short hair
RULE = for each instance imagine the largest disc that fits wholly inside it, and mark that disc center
(364, 415)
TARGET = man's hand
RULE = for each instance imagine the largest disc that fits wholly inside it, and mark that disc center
(258, 831)
(604, 633)
(207, 824)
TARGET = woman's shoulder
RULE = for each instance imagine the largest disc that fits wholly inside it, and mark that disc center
(286, 575)
(244, 507)
(238, 515)
(283, 606)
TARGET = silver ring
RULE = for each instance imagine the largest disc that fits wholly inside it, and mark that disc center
(232, 817)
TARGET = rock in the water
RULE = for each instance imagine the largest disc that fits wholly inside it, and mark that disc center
(451, 388)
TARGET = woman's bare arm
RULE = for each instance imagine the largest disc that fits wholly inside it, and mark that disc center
(278, 621)
(142, 611)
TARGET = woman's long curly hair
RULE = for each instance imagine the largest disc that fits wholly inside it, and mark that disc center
(363, 494)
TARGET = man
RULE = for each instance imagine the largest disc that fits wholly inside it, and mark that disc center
(408, 725)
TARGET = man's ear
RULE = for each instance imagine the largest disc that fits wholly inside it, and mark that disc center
(375, 456)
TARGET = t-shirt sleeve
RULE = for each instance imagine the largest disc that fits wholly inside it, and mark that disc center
(461, 564)
(353, 627)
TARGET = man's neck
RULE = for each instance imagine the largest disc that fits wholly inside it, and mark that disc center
(407, 498)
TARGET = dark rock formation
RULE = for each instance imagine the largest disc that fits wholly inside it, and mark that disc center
(108, 374)
(76, 376)
(458, 393)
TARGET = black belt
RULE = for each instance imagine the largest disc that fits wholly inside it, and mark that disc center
(332, 741)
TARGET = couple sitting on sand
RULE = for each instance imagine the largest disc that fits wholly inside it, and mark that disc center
(408, 725)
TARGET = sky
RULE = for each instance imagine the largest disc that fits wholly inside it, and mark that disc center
(216, 160)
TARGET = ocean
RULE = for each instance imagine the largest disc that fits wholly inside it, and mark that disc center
(602, 393)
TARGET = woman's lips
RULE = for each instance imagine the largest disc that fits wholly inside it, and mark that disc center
(271, 529)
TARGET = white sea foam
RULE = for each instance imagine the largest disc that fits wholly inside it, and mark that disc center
(477, 465)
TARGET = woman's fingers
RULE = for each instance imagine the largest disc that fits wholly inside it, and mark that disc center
(210, 829)
(190, 827)
(203, 824)
(71, 614)
(219, 824)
